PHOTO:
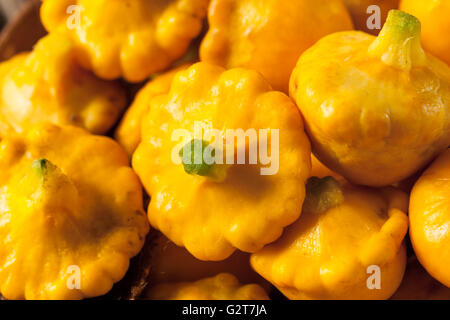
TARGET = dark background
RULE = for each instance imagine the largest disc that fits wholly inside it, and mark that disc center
(8, 9)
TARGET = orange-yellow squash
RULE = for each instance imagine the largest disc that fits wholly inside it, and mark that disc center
(377, 109)
(434, 16)
(269, 35)
(362, 12)
(128, 133)
(224, 286)
(170, 263)
(48, 85)
(429, 214)
(419, 285)
(71, 214)
(130, 39)
(347, 244)
(204, 161)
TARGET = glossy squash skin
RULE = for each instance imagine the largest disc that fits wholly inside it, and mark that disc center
(377, 110)
(131, 39)
(71, 212)
(269, 35)
(429, 213)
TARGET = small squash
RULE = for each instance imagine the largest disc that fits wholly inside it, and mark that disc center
(47, 84)
(377, 109)
(130, 39)
(238, 198)
(269, 36)
(71, 214)
(224, 286)
(343, 231)
(429, 214)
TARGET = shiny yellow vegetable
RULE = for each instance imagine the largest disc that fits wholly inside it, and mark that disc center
(429, 214)
(71, 214)
(434, 16)
(419, 285)
(48, 85)
(377, 109)
(269, 35)
(224, 286)
(347, 244)
(210, 208)
(128, 133)
(361, 15)
(130, 39)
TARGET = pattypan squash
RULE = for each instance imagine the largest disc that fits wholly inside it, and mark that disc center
(434, 16)
(130, 39)
(204, 161)
(347, 244)
(128, 133)
(224, 286)
(71, 214)
(48, 85)
(166, 259)
(362, 13)
(376, 109)
(419, 285)
(429, 214)
(269, 36)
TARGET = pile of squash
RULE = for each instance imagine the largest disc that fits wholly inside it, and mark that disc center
(357, 208)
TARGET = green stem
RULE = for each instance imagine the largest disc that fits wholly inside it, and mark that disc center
(50, 188)
(198, 158)
(42, 167)
(322, 194)
(398, 44)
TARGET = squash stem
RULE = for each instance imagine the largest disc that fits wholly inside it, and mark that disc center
(398, 44)
(198, 158)
(42, 166)
(322, 194)
(52, 190)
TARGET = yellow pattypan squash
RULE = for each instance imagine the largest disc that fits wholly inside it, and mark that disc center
(435, 18)
(346, 237)
(269, 35)
(224, 286)
(128, 133)
(209, 204)
(166, 259)
(71, 214)
(429, 214)
(362, 12)
(48, 85)
(419, 285)
(130, 39)
(376, 109)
